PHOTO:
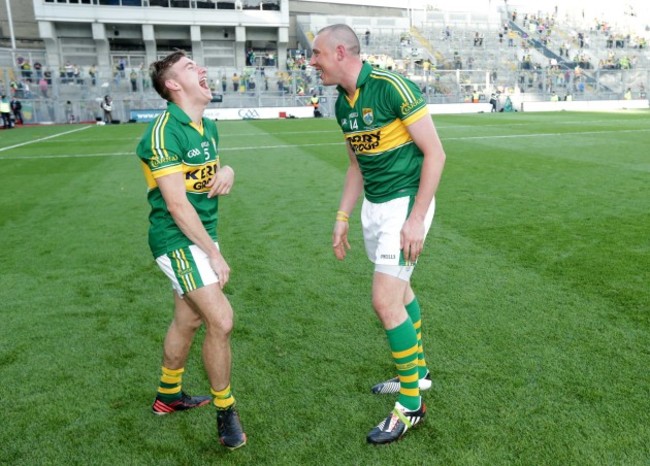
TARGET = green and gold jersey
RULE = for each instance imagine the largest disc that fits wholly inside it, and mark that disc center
(173, 143)
(374, 125)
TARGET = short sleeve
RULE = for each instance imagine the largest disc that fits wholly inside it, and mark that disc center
(405, 100)
(160, 151)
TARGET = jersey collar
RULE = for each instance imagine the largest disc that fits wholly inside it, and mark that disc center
(366, 69)
(364, 74)
(182, 117)
(177, 113)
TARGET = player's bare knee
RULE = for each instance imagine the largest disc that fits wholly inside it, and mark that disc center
(194, 323)
(220, 323)
(379, 304)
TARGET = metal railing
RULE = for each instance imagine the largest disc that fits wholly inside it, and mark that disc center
(63, 99)
(200, 4)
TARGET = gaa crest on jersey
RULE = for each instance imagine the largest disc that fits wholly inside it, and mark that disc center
(367, 116)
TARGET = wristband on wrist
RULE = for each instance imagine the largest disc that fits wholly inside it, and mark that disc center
(342, 216)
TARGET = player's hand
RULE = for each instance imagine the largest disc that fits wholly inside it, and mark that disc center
(221, 268)
(222, 183)
(412, 239)
(340, 239)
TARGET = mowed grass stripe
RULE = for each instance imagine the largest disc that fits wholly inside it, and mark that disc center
(538, 356)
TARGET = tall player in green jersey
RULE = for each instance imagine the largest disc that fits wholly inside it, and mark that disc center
(396, 161)
(179, 157)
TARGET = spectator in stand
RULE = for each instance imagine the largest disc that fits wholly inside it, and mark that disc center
(25, 91)
(26, 69)
(145, 80)
(133, 77)
(280, 81)
(92, 72)
(628, 94)
(16, 109)
(512, 35)
(77, 74)
(69, 72)
(43, 87)
(235, 82)
(224, 83)
(367, 37)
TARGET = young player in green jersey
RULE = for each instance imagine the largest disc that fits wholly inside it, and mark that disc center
(180, 160)
(396, 161)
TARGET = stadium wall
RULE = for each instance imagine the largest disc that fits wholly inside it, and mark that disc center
(248, 113)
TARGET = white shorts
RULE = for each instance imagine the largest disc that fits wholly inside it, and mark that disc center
(382, 224)
(188, 268)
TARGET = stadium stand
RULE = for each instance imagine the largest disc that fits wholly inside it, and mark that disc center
(455, 56)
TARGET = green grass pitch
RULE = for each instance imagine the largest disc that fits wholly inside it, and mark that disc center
(534, 285)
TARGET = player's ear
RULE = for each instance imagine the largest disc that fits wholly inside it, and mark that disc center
(340, 51)
(172, 85)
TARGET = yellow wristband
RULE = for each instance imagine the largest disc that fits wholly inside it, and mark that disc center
(341, 219)
(340, 213)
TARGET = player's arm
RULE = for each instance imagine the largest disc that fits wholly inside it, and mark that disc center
(172, 187)
(352, 189)
(425, 136)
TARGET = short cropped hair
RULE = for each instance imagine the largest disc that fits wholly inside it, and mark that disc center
(345, 35)
(158, 72)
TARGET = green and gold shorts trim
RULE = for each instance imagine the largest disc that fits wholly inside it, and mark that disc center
(188, 268)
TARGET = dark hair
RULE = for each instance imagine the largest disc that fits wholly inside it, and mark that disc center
(158, 72)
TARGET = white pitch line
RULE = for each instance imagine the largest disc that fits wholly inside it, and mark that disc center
(2, 149)
(255, 149)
